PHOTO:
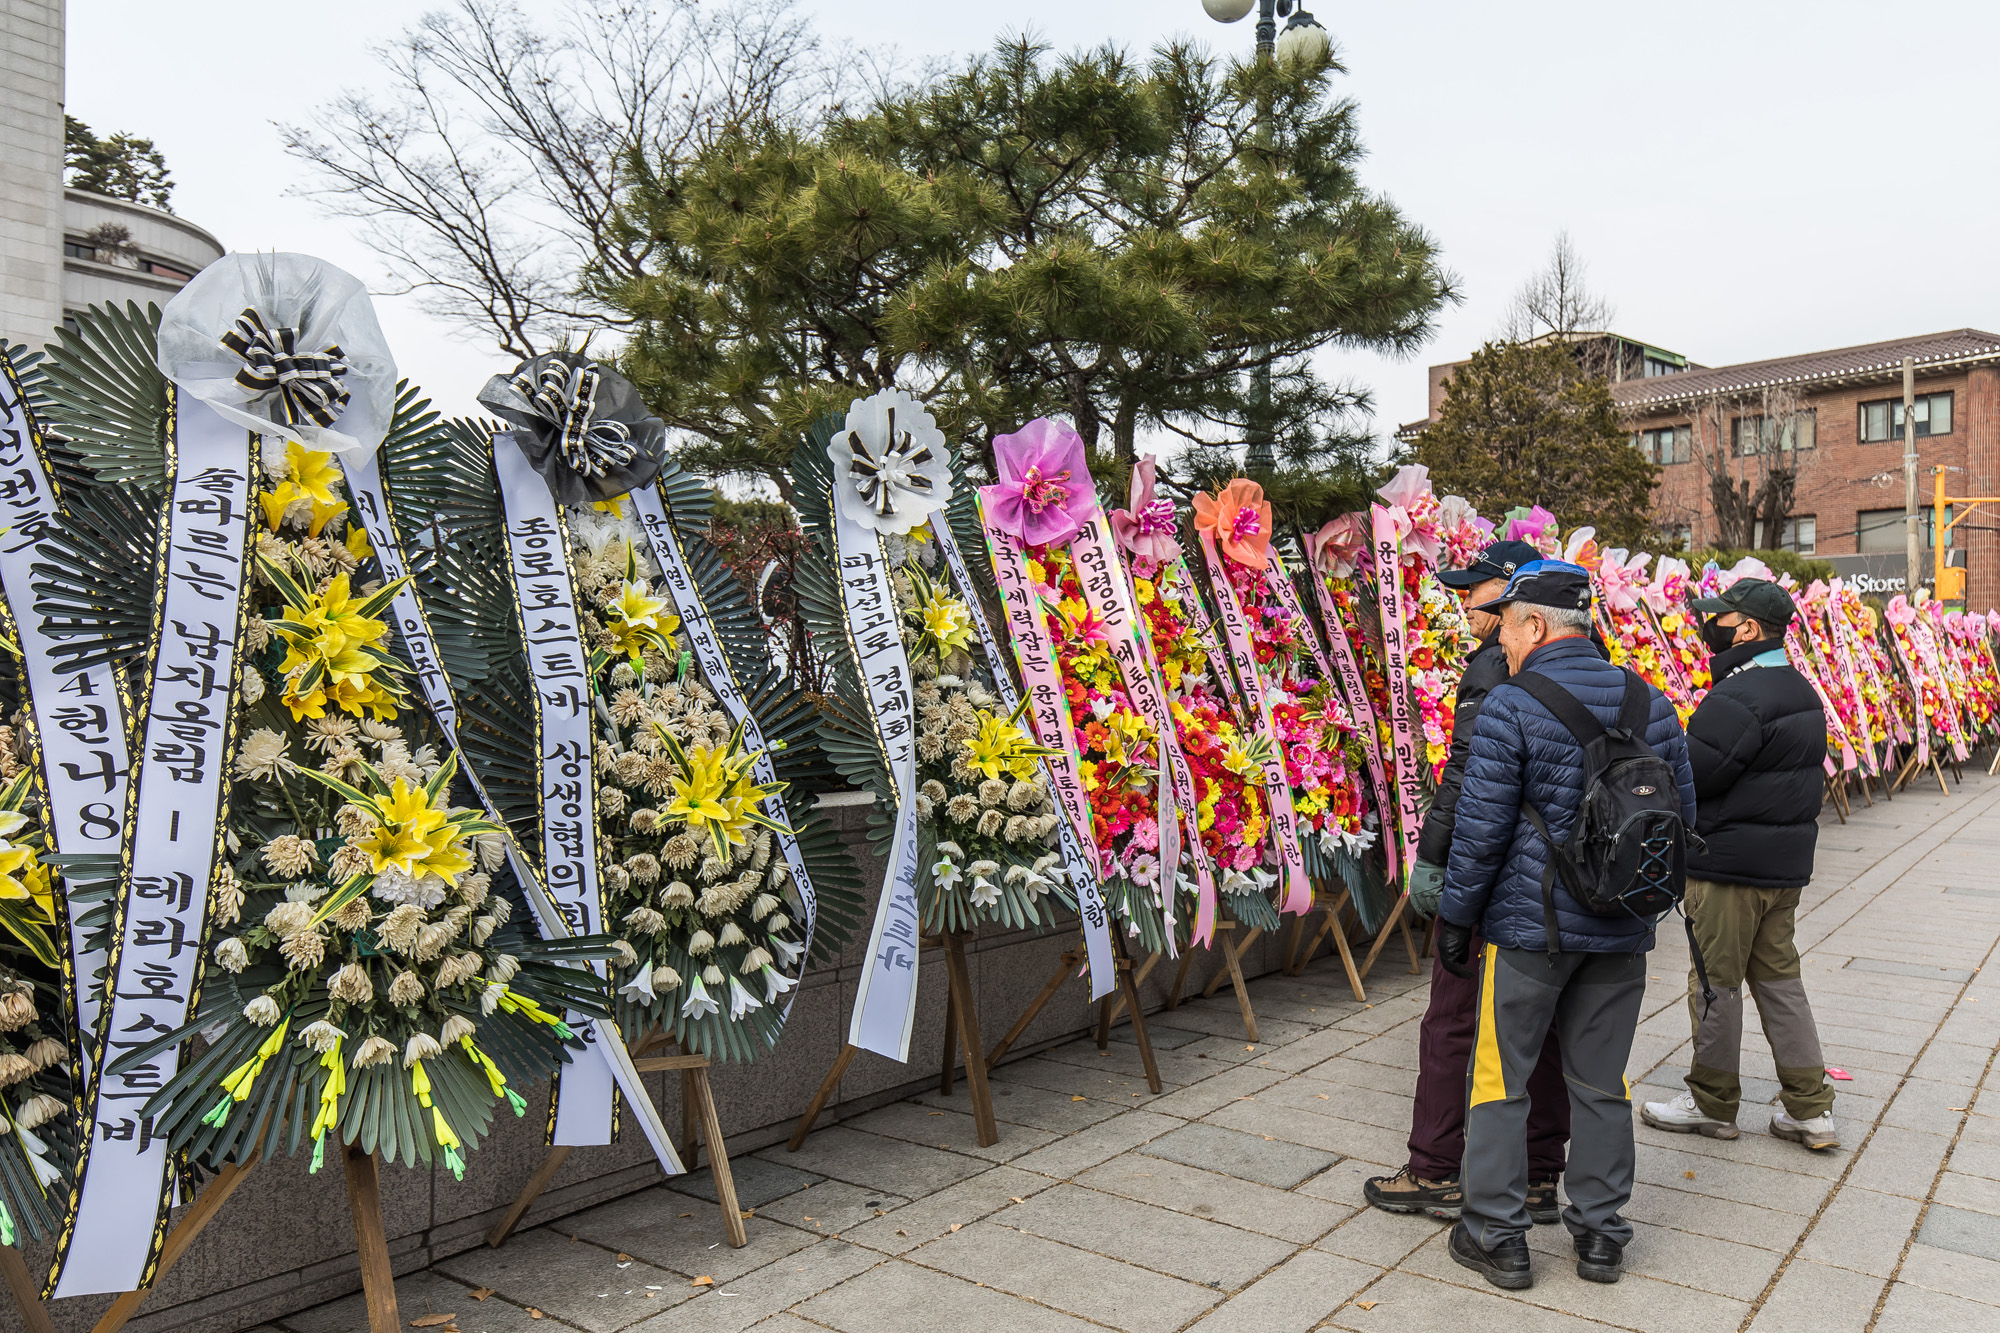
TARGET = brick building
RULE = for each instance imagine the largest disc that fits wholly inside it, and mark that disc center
(1838, 417)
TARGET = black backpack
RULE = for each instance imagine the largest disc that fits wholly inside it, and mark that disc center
(1627, 850)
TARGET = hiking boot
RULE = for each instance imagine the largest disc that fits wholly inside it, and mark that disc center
(1682, 1116)
(1408, 1192)
(1505, 1265)
(1817, 1133)
(1543, 1205)
(1598, 1257)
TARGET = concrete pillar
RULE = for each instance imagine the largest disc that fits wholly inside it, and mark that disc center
(31, 169)
(1981, 477)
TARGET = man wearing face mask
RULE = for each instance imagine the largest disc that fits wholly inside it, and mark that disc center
(1758, 745)
(1428, 1183)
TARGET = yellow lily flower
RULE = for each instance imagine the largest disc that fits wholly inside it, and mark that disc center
(313, 471)
(414, 836)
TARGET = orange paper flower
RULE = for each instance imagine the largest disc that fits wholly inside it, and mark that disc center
(1239, 518)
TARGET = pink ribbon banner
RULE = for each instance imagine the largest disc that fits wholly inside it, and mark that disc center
(1277, 786)
(1395, 651)
(1348, 672)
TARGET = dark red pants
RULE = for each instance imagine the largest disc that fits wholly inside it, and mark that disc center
(1444, 1054)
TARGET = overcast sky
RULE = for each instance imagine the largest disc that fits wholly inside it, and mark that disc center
(1746, 178)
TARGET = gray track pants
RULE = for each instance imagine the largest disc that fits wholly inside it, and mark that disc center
(1593, 999)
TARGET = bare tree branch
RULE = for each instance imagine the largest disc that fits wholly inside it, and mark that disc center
(1558, 300)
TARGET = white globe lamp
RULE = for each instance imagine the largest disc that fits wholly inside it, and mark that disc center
(1228, 11)
(1303, 41)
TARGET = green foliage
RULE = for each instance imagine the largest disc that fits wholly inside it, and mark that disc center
(1522, 424)
(1801, 567)
(1087, 236)
(122, 166)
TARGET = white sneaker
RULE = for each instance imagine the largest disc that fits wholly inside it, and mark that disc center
(1817, 1133)
(1682, 1116)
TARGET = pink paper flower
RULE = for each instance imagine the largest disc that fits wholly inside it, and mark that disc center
(1338, 547)
(1045, 494)
(1146, 529)
(1528, 527)
(1240, 520)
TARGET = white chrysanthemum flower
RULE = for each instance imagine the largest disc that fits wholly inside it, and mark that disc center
(289, 855)
(665, 979)
(392, 885)
(624, 954)
(321, 1037)
(455, 1027)
(407, 988)
(263, 1011)
(645, 921)
(263, 756)
(231, 955)
(288, 918)
(374, 1051)
(422, 1046)
(732, 934)
(351, 985)
(252, 688)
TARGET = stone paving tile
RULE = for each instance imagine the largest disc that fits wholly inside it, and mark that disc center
(1292, 1124)
(1407, 1303)
(1293, 1297)
(1862, 1230)
(1164, 1038)
(908, 1298)
(1077, 1281)
(674, 1232)
(1900, 1161)
(1099, 1143)
(750, 1300)
(1025, 1104)
(1815, 1298)
(831, 1207)
(1291, 1216)
(1761, 1185)
(1187, 1247)
(578, 1283)
(1248, 1156)
(757, 1181)
(870, 1160)
(1962, 1230)
(1971, 1276)
(954, 1131)
(417, 1294)
(961, 1205)
(1198, 1099)
(1972, 1193)
(1914, 1309)
(1382, 1239)
(1061, 1077)
(1720, 1266)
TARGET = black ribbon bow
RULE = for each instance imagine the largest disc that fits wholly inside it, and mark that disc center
(879, 478)
(582, 426)
(307, 384)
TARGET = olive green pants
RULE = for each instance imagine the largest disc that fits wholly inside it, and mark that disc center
(1745, 934)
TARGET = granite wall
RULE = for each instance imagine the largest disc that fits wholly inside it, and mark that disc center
(285, 1242)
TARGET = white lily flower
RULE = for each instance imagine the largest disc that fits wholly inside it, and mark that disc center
(699, 1003)
(788, 954)
(946, 874)
(741, 1001)
(950, 849)
(639, 990)
(776, 983)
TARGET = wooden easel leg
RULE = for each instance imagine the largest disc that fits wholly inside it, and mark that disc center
(1410, 946)
(1938, 769)
(690, 1141)
(1180, 977)
(1382, 935)
(827, 1086)
(529, 1193)
(1219, 943)
(1346, 953)
(27, 1292)
(1293, 939)
(696, 1082)
(1233, 958)
(1138, 979)
(1139, 1033)
(1070, 959)
(950, 1040)
(178, 1240)
(983, 1122)
(378, 1279)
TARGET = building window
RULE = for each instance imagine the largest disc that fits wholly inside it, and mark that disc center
(1680, 536)
(78, 250)
(1656, 367)
(1883, 420)
(1666, 444)
(1880, 531)
(1770, 435)
(1800, 533)
(159, 270)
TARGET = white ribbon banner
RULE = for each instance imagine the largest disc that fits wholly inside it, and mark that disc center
(885, 1003)
(177, 824)
(551, 631)
(1082, 865)
(79, 716)
(699, 628)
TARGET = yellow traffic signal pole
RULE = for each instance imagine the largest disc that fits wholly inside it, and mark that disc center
(1954, 590)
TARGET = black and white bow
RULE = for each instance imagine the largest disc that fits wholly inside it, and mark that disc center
(890, 477)
(566, 397)
(306, 384)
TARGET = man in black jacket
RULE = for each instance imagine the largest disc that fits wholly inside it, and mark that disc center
(1758, 745)
(1429, 1182)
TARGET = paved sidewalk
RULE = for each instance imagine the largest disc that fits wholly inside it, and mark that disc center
(1233, 1200)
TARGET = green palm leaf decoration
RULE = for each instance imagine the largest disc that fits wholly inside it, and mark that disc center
(106, 395)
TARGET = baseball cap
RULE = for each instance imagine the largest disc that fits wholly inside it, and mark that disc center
(1554, 583)
(1759, 599)
(1498, 561)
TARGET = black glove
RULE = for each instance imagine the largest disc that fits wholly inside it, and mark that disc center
(1455, 948)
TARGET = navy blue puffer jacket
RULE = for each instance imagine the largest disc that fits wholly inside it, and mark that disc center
(1494, 879)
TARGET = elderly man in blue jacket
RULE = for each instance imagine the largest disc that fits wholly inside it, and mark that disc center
(1547, 960)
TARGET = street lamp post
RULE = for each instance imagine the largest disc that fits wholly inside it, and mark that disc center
(1303, 40)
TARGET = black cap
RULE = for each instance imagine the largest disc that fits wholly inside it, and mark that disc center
(1498, 561)
(1555, 583)
(1759, 599)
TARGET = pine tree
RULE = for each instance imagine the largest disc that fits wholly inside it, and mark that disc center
(123, 166)
(1524, 424)
(1084, 236)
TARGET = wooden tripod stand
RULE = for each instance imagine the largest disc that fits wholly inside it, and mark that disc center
(698, 1114)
